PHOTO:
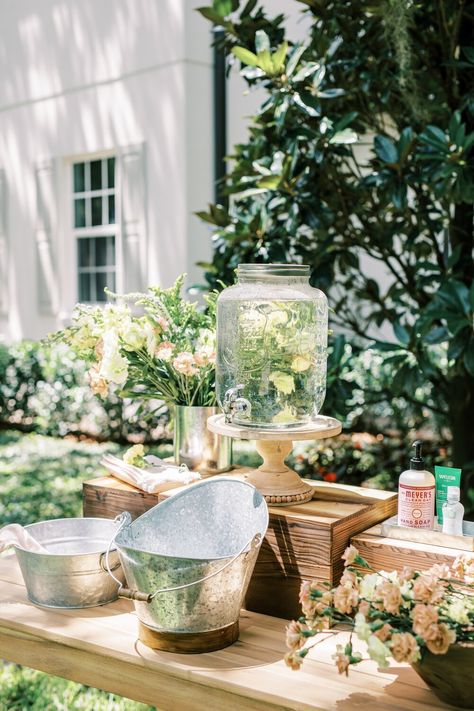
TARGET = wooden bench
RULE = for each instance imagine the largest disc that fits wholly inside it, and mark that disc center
(99, 647)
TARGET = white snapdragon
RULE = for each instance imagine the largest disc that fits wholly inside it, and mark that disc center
(367, 586)
(134, 337)
(117, 317)
(114, 367)
(361, 627)
(86, 331)
(206, 338)
(150, 338)
(378, 651)
(457, 611)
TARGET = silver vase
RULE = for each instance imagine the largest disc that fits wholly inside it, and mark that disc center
(197, 447)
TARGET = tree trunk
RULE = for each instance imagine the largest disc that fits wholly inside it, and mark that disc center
(461, 421)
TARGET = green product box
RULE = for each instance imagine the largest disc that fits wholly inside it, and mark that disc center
(445, 476)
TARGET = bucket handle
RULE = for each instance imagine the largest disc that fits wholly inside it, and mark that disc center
(124, 519)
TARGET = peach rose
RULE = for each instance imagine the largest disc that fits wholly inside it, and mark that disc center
(439, 570)
(442, 641)
(349, 555)
(184, 364)
(345, 598)
(364, 607)
(406, 574)
(404, 647)
(384, 632)
(463, 567)
(293, 660)
(391, 596)
(310, 606)
(425, 621)
(164, 351)
(97, 384)
(305, 589)
(294, 635)
(204, 357)
(320, 624)
(427, 589)
(342, 660)
(349, 577)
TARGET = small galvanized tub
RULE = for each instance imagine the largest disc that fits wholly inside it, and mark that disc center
(71, 573)
(188, 563)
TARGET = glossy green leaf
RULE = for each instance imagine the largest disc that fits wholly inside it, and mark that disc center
(278, 58)
(385, 149)
(439, 334)
(262, 41)
(345, 136)
(245, 56)
(331, 93)
(294, 59)
(469, 357)
(307, 108)
(401, 333)
(223, 7)
(307, 70)
(210, 14)
(264, 60)
(270, 182)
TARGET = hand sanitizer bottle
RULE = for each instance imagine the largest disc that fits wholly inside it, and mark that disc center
(416, 493)
(453, 512)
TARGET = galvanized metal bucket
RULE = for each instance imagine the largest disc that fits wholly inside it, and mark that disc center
(71, 573)
(190, 558)
(195, 445)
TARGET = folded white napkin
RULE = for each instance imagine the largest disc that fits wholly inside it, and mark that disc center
(16, 535)
(156, 477)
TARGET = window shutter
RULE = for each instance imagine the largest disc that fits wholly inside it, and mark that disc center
(46, 224)
(133, 201)
(3, 245)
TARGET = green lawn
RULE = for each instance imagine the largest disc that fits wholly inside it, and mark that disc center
(40, 478)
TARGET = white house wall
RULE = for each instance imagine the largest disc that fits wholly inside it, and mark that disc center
(82, 77)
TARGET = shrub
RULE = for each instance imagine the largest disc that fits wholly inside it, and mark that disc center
(43, 387)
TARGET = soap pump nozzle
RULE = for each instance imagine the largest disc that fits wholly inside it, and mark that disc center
(417, 462)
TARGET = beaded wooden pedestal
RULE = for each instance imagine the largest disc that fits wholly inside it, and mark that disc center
(280, 485)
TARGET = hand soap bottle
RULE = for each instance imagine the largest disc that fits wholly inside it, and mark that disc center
(416, 493)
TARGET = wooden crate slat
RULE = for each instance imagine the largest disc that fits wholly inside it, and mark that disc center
(391, 554)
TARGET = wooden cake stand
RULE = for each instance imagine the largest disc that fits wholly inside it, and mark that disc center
(280, 485)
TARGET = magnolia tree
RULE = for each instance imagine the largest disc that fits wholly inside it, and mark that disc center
(400, 75)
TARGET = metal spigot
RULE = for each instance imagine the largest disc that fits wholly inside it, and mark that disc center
(234, 404)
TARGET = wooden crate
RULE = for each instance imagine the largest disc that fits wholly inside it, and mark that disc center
(383, 553)
(303, 542)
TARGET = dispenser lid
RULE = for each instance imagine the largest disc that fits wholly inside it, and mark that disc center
(417, 462)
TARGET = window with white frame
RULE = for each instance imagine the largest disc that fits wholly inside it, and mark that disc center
(95, 227)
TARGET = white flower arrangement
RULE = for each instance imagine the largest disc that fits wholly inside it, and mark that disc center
(167, 353)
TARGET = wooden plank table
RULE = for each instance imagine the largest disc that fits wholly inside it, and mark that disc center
(99, 647)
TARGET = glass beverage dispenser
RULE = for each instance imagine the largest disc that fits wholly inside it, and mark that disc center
(271, 347)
